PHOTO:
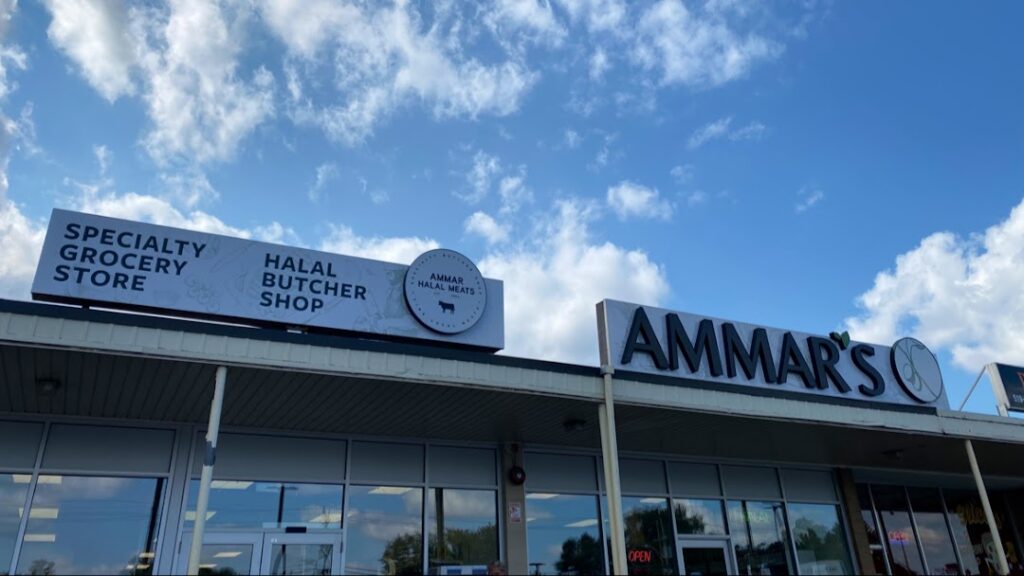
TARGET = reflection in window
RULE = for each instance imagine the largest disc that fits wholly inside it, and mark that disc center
(650, 545)
(13, 491)
(384, 530)
(867, 515)
(932, 531)
(225, 559)
(971, 528)
(699, 516)
(462, 527)
(820, 539)
(243, 504)
(91, 525)
(562, 534)
(759, 536)
(891, 504)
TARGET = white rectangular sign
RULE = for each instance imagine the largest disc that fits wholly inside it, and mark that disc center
(90, 259)
(645, 339)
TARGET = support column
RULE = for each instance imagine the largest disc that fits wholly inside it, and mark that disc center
(203, 498)
(858, 533)
(1002, 567)
(610, 453)
(514, 503)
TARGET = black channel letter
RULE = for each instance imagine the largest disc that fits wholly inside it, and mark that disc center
(791, 359)
(760, 351)
(641, 329)
(706, 343)
(859, 352)
(825, 364)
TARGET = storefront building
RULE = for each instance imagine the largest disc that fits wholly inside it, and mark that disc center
(717, 451)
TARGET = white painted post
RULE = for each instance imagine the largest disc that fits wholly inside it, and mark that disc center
(613, 488)
(1002, 567)
(203, 499)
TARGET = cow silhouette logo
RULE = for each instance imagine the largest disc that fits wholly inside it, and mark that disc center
(445, 291)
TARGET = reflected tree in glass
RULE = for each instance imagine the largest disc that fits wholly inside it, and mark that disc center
(820, 539)
(462, 527)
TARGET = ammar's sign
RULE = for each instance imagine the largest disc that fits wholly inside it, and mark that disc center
(649, 340)
(89, 259)
(1008, 385)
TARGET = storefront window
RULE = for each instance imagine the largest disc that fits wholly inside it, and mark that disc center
(695, 516)
(760, 538)
(650, 544)
(932, 531)
(91, 525)
(820, 539)
(867, 516)
(384, 530)
(977, 547)
(13, 490)
(891, 504)
(563, 534)
(259, 505)
(462, 528)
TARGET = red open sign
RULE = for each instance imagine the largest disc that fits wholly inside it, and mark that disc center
(638, 556)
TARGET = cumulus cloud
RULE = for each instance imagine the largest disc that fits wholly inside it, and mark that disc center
(483, 225)
(21, 240)
(808, 197)
(682, 173)
(632, 200)
(696, 49)
(94, 34)
(386, 57)
(554, 279)
(514, 192)
(954, 293)
(534, 20)
(325, 173)
(403, 250)
(185, 57)
(479, 176)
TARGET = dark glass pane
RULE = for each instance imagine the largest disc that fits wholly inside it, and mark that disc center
(704, 562)
(13, 491)
(562, 534)
(91, 525)
(300, 559)
(932, 531)
(650, 544)
(820, 539)
(892, 511)
(967, 518)
(760, 537)
(225, 559)
(384, 530)
(244, 504)
(699, 516)
(462, 528)
(867, 515)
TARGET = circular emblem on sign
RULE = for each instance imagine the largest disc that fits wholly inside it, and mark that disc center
(445, 291)
(917, 370)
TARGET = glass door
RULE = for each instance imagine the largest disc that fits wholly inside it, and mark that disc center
(223, 553)
(705, 557)
(301, 554)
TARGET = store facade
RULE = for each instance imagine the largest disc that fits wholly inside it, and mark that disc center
(390, 454)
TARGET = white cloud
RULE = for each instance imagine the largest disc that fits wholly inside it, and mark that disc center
(93, 33)
(21, 240)
(682, 173)
(808, 197)
(554, 279)
(486, 227)
(708, 132)
(607, 16)
(403, 250)
(696, 198)
(572, 139)
(598, 64)
(514, 192)
(632, 200)
(478, 178)
(534, 19)
(699, 50)
(384, 59)
(952, 293)
(188, 186)
(185, 56)
(325, 173)
(753, 131)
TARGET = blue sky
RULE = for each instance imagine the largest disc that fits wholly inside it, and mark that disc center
(806, 165)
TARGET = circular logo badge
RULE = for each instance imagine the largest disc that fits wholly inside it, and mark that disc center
(445, 291)
(917, 370)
